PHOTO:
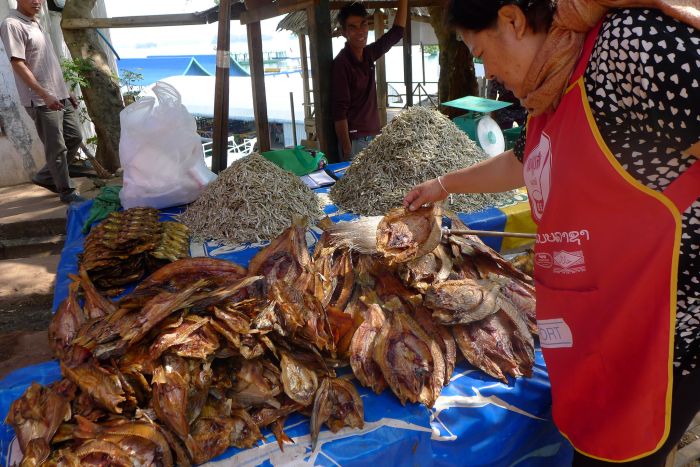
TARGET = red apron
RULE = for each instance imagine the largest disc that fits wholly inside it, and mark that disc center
(606, 262)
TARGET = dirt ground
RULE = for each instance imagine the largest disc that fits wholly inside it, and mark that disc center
(23, 337)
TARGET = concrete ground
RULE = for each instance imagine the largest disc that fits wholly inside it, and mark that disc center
(32, 229)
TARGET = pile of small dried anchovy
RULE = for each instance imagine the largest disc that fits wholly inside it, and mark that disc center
(419, 144)
(250, 201)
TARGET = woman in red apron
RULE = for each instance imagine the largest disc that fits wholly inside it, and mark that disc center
(610, 163)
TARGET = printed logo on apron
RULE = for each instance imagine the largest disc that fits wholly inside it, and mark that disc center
(537, 170)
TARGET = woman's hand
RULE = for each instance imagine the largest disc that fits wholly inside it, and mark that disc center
(427, 192)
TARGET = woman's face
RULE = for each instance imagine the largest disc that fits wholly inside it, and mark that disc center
(507, 49)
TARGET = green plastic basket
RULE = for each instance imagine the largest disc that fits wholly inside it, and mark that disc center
(297, 160)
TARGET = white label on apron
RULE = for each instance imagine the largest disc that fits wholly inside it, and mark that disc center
(554, 333)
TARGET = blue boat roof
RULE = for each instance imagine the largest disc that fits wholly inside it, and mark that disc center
(157, 67)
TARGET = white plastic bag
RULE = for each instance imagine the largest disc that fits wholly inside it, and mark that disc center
(161, 152)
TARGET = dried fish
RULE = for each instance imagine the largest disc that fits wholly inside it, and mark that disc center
(495, 346)
(366, 370)
(432, 268)
(35, 417)
(170, 399)
(101, 383)
(66, 323)
(411, 361)
(251, 201)
(417, 145)
(299, 381)
(404, 235)
(464, 301)
(337, 404)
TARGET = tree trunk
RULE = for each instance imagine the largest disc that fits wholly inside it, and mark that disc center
(103, 97)
(457, 76)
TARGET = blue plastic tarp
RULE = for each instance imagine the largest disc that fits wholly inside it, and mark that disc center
(476, 421)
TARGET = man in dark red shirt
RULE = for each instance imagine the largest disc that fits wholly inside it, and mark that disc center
(354, 92)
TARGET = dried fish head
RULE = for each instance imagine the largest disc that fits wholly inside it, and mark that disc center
(337, 404)
(179, 334)
(245, 433)
(35, 417)
(101, 383)
(464, 301)
(403, 235)
(170, 399)
(257, 382)
(66, 323)
(300, 382)
(420, 273)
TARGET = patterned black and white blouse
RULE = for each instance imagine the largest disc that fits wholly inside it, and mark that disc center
(643, 86)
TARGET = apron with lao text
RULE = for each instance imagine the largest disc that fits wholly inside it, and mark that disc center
(606, 261)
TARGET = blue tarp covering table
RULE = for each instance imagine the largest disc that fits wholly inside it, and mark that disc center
(476, 421)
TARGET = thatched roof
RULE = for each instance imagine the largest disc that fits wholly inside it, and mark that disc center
(296, 21)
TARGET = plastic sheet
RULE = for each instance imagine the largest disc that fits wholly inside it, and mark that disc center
(476, 421)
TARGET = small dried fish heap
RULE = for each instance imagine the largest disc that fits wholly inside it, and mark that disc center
(203, 353)
(128, 244)
(417, 145)
(250, 201)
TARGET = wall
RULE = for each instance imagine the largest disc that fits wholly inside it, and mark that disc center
(21, 151)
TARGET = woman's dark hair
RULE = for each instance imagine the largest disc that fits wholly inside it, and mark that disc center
(477, 15)
(352, 9)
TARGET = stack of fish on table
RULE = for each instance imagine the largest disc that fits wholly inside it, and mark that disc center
(204, 353)
(127, 244)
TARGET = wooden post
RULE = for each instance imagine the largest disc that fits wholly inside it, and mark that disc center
(319, 21)
(294, 120)
(257, 77)
(305, 75)
(219, 158)
(380, 70)
(407, 62)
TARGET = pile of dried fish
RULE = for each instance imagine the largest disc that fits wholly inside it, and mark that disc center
(128, 244)
(200, 357)
(250, 201)
(417, 145)
(203, 354)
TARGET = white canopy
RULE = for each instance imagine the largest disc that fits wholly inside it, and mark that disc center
(198, 96)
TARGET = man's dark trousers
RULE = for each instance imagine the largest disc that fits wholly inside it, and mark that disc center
(59, 130)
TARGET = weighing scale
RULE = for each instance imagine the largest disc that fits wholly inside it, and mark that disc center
(478, 125)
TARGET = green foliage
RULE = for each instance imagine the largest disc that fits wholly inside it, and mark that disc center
(75, 72)
(431, 49)
(130, 79)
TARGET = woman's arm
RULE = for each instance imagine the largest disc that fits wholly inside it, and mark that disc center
(496, 174)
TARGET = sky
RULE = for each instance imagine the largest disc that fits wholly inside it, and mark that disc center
(201, 40)
(184, 40)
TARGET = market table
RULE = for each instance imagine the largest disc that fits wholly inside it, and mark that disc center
(476, 421)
